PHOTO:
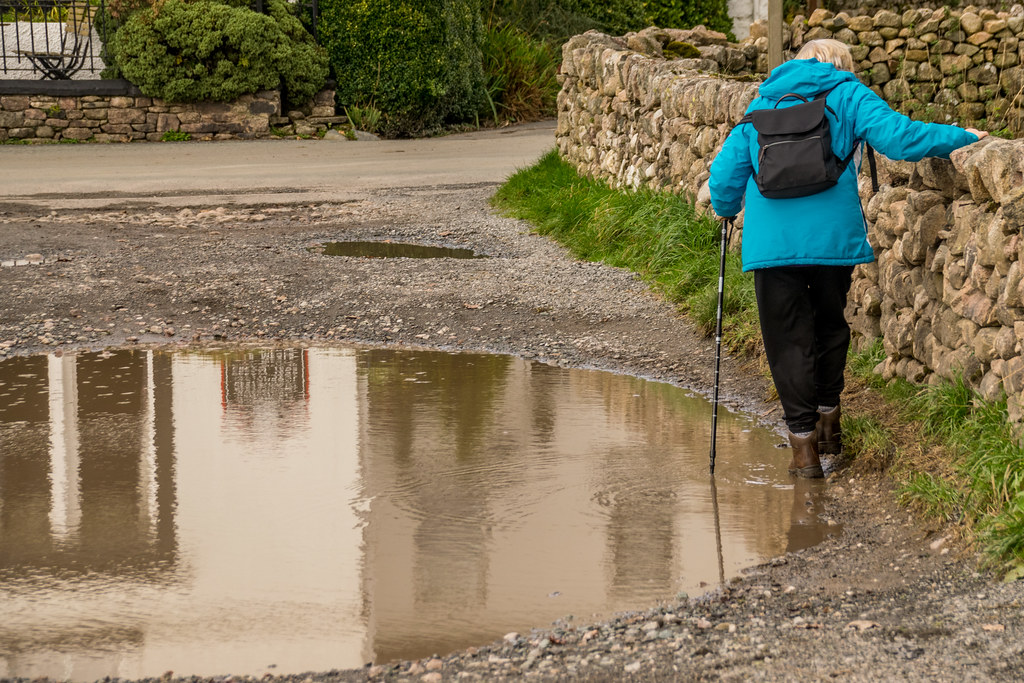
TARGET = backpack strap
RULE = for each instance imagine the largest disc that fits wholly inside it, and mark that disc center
(820, 96)
(843, 163)
(873, 167)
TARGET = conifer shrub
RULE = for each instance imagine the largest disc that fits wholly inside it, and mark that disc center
(416, 61)
(196, 50)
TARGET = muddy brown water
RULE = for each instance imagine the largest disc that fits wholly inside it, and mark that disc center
(252, 511)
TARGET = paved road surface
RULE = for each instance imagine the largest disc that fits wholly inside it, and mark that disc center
(92, 175)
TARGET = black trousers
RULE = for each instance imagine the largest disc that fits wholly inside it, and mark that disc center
(806, 336)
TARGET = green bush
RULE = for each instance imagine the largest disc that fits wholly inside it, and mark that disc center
(561, 19)
(195, 50)
(417, 61)
(545, 20)
(614, 16)
(675, 14)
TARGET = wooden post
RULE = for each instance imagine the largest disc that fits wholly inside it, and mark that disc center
(774, 33)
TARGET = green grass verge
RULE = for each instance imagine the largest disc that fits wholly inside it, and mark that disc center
(658, 235)
(978, 481)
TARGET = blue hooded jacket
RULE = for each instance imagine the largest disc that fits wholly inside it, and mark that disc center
(827, 228)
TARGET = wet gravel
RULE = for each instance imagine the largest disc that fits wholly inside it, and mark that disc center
(890, 598)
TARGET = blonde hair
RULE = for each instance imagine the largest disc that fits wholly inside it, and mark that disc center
(828, 50)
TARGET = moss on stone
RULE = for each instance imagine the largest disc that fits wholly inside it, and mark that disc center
(678, 49)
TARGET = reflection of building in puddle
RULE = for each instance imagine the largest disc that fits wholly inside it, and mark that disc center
(87, 491)
(265, 386)
(318, 509)
(93, 489)
(135, 538)
(506, 492)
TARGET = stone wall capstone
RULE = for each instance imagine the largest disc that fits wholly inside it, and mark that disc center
(946, 292)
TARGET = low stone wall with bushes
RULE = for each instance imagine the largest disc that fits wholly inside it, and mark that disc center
(115, 111)
(945, 294)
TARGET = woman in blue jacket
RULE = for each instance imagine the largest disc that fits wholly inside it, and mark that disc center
(803, 250)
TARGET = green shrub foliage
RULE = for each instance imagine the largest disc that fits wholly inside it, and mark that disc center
(676, 14)
(560, 19)
(613, 16)
(195, 50)
(417, 61)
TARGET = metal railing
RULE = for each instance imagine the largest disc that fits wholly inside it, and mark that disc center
(63, 39)
(50, 39)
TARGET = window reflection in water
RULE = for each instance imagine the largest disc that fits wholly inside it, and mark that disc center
(217, 512)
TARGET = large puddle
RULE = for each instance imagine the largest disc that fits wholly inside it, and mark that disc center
(291, 510)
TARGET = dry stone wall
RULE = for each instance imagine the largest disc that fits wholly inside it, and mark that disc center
(946, 293)
(937, 65)
(871, 6)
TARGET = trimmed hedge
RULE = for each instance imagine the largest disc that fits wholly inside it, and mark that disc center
(417, 61)
(193, 50)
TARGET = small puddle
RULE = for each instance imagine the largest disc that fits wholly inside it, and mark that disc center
(394, 250)
(279, 511)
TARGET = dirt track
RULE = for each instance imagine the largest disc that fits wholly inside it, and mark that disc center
(887, 600)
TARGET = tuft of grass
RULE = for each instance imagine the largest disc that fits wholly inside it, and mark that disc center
(658, 235)
(367, 118)
(862, 365)
(871, 440)
(933, 496)
(989, 458)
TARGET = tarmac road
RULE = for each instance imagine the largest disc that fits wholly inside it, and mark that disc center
(251, 172)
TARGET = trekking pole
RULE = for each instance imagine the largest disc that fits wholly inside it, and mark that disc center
(718, 533)
(726, 224)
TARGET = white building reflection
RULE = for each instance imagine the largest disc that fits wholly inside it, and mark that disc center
(291, 510)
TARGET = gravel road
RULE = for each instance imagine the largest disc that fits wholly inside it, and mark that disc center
(889, 599)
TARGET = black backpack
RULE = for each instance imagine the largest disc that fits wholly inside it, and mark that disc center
(795, 156)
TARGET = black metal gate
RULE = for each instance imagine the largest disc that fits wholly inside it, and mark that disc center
(54, 39)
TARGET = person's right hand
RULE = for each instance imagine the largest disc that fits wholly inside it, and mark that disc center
(979, 133)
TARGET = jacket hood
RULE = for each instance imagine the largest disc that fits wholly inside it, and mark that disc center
(806, 77)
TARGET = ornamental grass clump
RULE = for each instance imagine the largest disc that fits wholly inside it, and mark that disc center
(520, 74)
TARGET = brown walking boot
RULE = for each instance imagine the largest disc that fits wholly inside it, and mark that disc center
(805, 456)
(830, 433)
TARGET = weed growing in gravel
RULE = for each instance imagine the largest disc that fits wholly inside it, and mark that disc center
(656, 234)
